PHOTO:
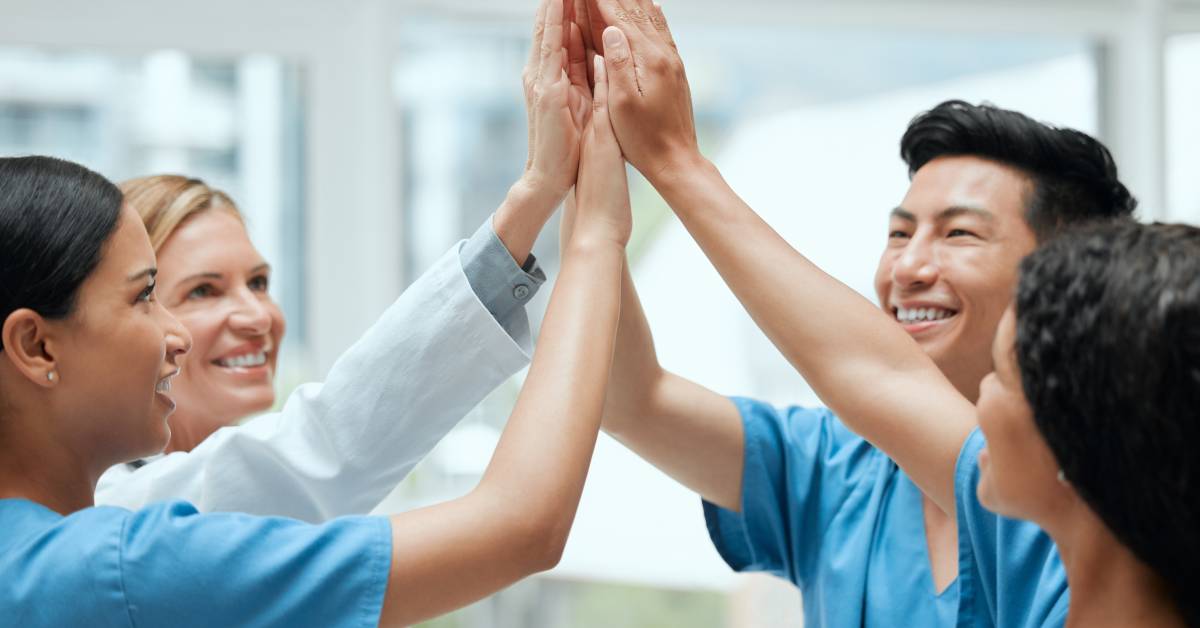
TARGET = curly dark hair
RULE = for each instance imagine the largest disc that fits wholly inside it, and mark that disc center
(1074, 176)
(1108, 343)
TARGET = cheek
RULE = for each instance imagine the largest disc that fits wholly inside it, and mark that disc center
(205, 326)
(883, 274)
(278, 322)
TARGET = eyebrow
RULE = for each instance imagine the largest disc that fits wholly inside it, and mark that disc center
(219, 276)
(950, 212)
(149, 272)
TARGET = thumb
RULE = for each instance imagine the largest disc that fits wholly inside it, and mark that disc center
(619, 61)
(600, 96)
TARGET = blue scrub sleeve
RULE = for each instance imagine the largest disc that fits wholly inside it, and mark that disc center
(182, 569)
(1009, 571)
(800, 467)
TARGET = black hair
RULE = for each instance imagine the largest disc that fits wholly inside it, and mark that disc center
(55, 217)
(1074, 176)
(1108, 343)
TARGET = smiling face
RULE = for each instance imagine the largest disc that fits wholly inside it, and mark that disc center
(215, 281)
(117, 353)
(950, 265)
(1018, 473)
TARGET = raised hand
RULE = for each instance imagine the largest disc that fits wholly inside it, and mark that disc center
(602, 192)
(649, 96)
(557, 100)
(558, 103)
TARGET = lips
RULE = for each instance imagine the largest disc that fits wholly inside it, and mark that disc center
(246, 360)
(921, 314)
(246, 356)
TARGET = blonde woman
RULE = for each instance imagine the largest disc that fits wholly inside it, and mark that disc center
(340, 446)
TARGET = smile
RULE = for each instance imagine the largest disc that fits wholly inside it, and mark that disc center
(906, 316)
(248, 360)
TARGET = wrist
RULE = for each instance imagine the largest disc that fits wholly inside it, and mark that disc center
(681, 168)
(520, 218)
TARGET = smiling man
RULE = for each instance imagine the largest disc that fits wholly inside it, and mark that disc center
(794, 491)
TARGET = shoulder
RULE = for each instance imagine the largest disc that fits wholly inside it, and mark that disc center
(800, 427)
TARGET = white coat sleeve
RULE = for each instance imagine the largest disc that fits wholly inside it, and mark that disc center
(340, 447)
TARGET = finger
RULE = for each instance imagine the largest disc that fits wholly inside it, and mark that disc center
(640, 13)
(579, 15)
(622, 13)
(618, 61)
(539, 29)
(568, 7)
(600, 120)
(577, 58)
(597, 23)
(660, 22)
(552, 42)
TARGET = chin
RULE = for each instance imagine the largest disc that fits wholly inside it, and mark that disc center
(253, 403)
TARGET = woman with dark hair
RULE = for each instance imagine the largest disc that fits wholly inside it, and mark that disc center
(85, 375)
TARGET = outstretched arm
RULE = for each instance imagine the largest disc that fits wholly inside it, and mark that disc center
(686, 430)
(516, 522)
(861, 364)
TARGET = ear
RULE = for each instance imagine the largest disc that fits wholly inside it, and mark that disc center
(26, 347)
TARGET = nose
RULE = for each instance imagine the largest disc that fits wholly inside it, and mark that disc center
(916, 267)
(178, 338)
(250, 315)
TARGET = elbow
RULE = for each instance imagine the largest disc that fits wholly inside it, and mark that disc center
(546, 539)
(629, 402)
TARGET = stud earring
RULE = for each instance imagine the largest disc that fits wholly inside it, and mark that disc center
(51, 376)
(1062, 478)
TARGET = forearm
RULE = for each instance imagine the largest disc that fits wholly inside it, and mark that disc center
(859, 361)
(547, 445)
(687, 431)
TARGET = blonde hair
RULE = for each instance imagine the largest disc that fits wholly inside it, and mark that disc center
(165, 201)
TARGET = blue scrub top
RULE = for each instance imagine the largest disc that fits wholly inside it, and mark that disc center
(1009, 573)
(167, 565)
(825, 509)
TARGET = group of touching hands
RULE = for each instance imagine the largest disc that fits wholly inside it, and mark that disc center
(604, 83)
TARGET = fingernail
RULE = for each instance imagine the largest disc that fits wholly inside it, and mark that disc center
(612, 37)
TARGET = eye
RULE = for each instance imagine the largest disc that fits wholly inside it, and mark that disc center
(259, 284)
(201, 291)
(147, 293)
(958, 233)
(897, 233)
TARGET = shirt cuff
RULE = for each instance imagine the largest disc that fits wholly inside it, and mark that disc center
(501, 285)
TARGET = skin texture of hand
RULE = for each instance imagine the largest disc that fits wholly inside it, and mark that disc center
(602, 192)
(649, 96)
(558, 104)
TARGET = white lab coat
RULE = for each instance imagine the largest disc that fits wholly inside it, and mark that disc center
(340, 447)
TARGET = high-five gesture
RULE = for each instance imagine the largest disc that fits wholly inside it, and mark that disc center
(602, 193)
(558, 104)
(557, 99)
(649, 96)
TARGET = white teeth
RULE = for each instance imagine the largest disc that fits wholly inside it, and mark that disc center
(243, 361)
(163, 386)
(916, 315)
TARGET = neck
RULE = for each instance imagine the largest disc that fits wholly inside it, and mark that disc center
(1109, 585)
(49, 475)
(966, 381)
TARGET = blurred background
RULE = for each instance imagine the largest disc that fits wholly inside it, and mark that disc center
(364, 137)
